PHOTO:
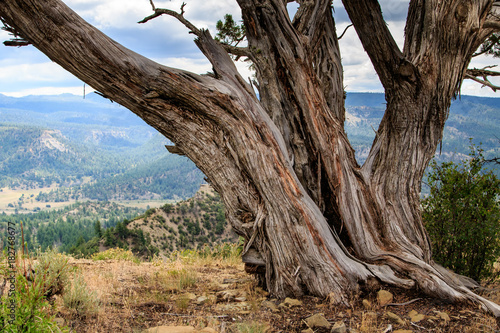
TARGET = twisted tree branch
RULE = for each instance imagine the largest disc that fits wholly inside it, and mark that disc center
(481, 76)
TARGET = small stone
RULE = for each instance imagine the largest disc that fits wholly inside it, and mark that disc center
(394, 318)
(318, 320)
(201, 300)
(290, 303)
(240, 299)
(443, 315)
(339, 327)
(367, 304)
(415, 316)
(269, 305)
(384, 297)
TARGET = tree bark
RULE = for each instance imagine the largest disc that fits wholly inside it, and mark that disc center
(283, 164)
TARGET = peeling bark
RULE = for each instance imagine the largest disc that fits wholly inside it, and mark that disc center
(319, 222)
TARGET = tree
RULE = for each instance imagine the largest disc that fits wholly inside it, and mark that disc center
(281, 161)
(462, 214)
(98, 229)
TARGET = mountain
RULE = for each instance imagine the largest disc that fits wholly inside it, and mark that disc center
(91, 148)
(470, 117)
(86, 149)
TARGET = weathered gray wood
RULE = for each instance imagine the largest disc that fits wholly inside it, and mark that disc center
(283, 166)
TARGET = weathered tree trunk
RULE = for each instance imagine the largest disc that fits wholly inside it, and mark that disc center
(282, 163)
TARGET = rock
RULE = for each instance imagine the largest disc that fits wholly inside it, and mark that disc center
(269, 305)
(339, 327)
(367, 304)
(415, 317)
(170, 329)
(318, 320)
(202, 300)
(394, 318)
(290, 303)
(443, 315)
(384, 297)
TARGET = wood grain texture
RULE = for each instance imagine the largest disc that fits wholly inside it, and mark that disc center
(282, 163)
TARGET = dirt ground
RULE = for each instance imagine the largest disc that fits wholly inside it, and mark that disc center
(220, 295)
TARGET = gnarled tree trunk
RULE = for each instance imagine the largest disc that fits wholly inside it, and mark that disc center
(282, 162)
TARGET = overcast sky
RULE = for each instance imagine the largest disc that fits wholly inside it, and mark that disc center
(25, 70)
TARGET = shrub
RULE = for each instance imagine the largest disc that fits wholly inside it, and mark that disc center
(462, 216)
(34, 284)
(116, 253)
(80, 299)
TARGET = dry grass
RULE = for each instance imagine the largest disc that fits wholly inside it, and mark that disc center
(201, 290)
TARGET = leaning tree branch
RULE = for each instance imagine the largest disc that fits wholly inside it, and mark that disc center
(481, 75)
(493, 19)
(378, 42)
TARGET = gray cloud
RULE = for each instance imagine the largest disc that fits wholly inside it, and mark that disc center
(167, 41)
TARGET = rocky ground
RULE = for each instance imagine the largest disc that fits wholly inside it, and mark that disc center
(192, 294)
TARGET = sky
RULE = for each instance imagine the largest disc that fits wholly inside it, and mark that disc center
(26, 71)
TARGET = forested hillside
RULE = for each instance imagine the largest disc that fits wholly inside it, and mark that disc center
(470, 117)
(63, 228)
(56, 150)
(86, 227)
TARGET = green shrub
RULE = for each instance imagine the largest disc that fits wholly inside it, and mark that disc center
(462, 216)
(80, 299)
(35, 283)
(115, 253)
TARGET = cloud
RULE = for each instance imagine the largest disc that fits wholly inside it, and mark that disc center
(78, 90)
(167, 41)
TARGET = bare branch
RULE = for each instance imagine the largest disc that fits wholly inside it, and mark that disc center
(178, 16)
(481, 75)
(18, 40)
(237, 51)
(378, 42)
(345, 30)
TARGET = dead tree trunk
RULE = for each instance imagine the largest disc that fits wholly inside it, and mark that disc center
(282, 163)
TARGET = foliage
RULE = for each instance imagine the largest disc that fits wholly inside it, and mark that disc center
(35, 284)
(115, 253)
(80, 299)
(67, 226)
(462, 215)
(491, 46)
(228, 32)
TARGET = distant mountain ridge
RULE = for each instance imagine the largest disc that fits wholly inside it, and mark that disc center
(64, 138)
(470, 117)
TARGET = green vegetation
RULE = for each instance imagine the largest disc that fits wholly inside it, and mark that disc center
(78, 298)
(462, 215)
(70, 227)
(35, 284)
